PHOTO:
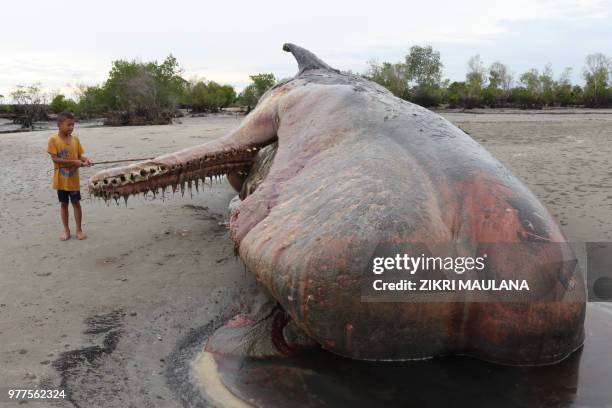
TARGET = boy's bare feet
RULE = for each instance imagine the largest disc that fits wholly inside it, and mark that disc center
(81, 235)
(65, 236)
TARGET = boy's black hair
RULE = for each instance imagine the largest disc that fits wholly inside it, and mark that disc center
(64, 116)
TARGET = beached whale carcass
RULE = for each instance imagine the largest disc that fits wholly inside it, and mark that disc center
(331, 166)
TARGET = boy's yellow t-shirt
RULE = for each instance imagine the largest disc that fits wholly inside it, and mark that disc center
(65, 178)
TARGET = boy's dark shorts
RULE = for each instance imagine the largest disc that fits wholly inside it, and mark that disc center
(73, 196)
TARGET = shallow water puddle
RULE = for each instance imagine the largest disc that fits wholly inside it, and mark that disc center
(319, 378)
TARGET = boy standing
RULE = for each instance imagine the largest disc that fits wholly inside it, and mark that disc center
(67, 155)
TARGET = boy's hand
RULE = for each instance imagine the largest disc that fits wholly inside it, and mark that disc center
(86, 163)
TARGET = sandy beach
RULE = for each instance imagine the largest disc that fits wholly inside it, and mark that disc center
(107, 317)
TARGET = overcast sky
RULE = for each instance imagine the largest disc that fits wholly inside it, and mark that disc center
(64, 43)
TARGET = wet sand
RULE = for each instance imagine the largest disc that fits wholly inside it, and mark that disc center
(114, 318)
(565, 159)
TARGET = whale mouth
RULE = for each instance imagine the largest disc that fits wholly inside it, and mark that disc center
(184, 169)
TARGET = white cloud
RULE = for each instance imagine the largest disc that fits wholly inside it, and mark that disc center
(67, 42)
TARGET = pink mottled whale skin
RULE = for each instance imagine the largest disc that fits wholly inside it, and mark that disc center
(349, 167)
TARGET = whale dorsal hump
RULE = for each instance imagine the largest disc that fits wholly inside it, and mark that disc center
(306, 60)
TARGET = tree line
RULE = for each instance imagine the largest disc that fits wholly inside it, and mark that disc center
(419, 79)
(137, 93)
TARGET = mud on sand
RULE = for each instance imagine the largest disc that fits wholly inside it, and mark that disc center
(114, 317)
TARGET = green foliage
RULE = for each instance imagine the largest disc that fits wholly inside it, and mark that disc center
(251, 94)
(499, 76)
(531, 81)
(93, 100)
(457, 94)
(524, 98)
(262, 82)
(141, 93)
(597, 74)
(138, 90)
(500, 81)
(202, 96)
(493, 97)
(4, 108)
(134, 86)
(475, 81)
(423, 67)
(529, 94)
(578, 95)
(563, 92)
(417, 79)
(59, 103)
(391, 76)
(547, 86)
(426, 95)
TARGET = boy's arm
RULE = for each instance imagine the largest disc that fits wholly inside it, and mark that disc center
(53, 150)
(86, 161)
(67, 162)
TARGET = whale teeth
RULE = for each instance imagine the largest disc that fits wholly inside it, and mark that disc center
(214, 166)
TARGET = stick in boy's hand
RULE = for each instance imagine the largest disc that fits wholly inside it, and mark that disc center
(109, 162)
